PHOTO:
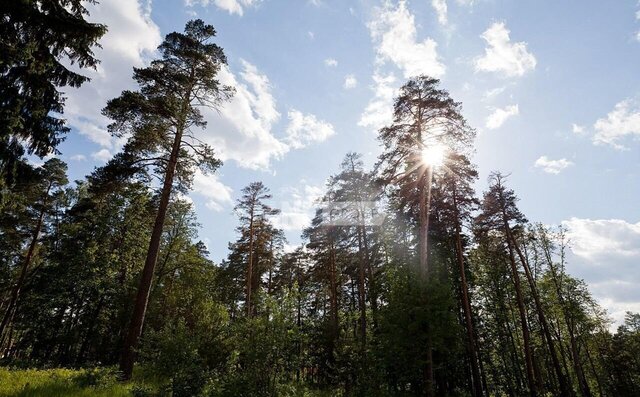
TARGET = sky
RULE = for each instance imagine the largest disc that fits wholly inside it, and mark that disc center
(552, 88)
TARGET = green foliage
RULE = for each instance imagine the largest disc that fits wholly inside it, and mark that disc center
(98, 382)
(38, 40)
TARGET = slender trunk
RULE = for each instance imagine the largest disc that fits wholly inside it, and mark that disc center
(373, 291)
(423, 232)
(15, 292)
(93, 321)
(423, 248)
(565, 389)
(361, 292)
(466, 304)
(250, 264)
(577, 363)
(142, 296)
(596, 375)
(528, 354)
(334, 325)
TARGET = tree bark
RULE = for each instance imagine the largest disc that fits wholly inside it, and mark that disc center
(15, 292)
(565, 389)
(475, 371)
(528, 354)
(142, 296)
(250, 262)
(361, 291)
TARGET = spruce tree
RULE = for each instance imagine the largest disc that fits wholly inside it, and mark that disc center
(38, 38)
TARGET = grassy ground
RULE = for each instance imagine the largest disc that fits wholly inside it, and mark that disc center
(63, 383)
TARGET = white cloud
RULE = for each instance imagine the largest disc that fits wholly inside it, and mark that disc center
(552, 166)
(311, 35)
(393, 30)
(102, 155)
(597, 240)
(209, 186)
(577, 129)
(297, 212)
(499, 116)
(379, 110)
(132, 37)
(242, 130)
(78, 157)
(231, 6)
(304, 129)
(503, 56)
(330, 62)
(350, 82)
(607, 253)
(493, 93)
(440, 6)
(621, 123)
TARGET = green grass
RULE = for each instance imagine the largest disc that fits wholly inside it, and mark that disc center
(61, 383)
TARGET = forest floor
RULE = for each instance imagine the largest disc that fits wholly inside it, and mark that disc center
(68, 383)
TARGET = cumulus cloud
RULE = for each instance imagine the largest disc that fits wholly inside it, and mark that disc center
(577, 129)
(304, 129)
(131, 39)
(231, 6)
(102, 155)
(440, 6)
(500, 115)
(503, 56)
(242, 129)
(297, 212)
(606, 255)
(552, 166)
(217, 194)
(78, 157)
(379, 110)
(350, 82)
(622, 123)
(395, 38)
(393, 31)
(330, 62)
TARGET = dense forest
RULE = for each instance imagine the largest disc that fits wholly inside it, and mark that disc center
(408, 281)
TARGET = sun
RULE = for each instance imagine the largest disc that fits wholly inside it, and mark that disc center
(434, 155)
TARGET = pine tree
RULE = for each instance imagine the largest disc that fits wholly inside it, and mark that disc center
(254, 215)
(159, 119)
(50, 178)
(424, 117)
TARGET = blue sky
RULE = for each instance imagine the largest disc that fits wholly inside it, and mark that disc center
(552, 88)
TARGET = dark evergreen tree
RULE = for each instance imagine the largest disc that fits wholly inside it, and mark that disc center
(38, 39)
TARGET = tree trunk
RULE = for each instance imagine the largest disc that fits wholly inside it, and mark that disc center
(423, 248)
(565, 389)
(142, 297)
(528, 354)
(15, 292)
(250, 264)
(361, 291)
(466, 304)
(423, 232)
(577, 363)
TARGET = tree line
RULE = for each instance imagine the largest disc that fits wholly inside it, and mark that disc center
(447, 294)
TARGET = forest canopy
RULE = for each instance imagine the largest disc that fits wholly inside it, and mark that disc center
(407, 282)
